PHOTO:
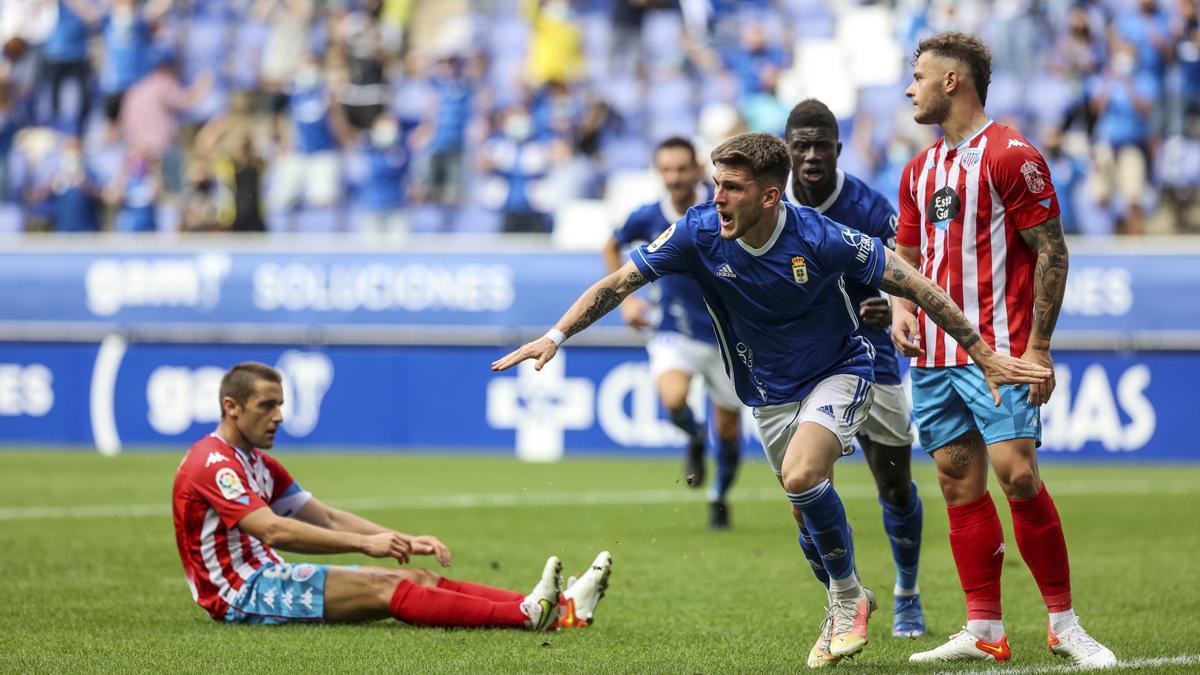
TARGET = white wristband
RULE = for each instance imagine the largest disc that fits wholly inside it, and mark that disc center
(556, 336)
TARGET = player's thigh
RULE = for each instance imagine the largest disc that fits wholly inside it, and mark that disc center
(809, 457)
(717, 383)
(671, 368)
(365, 594)
(939, 411)
(1016, 467)
(962, 468)
(1014, 418)
(889, 419)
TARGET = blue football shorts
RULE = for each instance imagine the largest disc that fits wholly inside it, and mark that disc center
(949, 402)
(281, 593)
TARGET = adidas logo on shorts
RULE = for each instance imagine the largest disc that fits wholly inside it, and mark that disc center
(827, 409)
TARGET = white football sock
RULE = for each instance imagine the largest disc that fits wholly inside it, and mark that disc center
(1063, 621)
(988, 630)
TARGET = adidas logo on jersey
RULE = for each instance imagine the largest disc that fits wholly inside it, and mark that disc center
(827, 409)
(726, 271)
(215, 458)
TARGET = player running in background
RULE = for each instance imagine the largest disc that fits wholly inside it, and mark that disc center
(234, 505)
(683, 344)
(886, 435)
(772, 276)
(979, 217)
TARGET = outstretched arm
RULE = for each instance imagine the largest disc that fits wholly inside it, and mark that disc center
(899, 278)
(298, 536)
(1049, 286)
(595, 302)
(320, 514)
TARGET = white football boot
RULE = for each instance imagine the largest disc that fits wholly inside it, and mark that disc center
(1083, 650)
(966, 646)
(584, 593)
(850, 624)
(541, 605)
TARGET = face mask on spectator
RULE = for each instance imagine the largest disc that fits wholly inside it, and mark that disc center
(384, 134)
(518, 127)
(122, 18)
(307, 78)
(1123, 64)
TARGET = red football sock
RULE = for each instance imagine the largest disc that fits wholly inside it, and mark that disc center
(978, 545)
(424, 606)
(480, 591)
(1040, 539)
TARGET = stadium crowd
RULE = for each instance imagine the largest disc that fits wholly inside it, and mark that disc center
(488, 115)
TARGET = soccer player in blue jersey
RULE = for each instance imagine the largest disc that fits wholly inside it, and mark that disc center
(683, 344)
(886, 435)
(773, 277)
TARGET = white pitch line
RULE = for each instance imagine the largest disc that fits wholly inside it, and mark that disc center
(1122, 664)
(584, 498)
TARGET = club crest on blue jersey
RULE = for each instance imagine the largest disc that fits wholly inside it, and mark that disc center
(799, 270)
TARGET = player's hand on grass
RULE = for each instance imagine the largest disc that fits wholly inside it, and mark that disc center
(1039, 392)
(999, 369)
(876, 313)
(388, 545)
(542, 349)
(430, 545)
(634, 311)
(905, 332)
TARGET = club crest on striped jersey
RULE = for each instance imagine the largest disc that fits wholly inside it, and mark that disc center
(971, 157)
(799, 270)
(1033, 177)
(229, 484)
(662, 239)
(943, 207)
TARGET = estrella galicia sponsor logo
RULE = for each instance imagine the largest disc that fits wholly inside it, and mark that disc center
(943, 207)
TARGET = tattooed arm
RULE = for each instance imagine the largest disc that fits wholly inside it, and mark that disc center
(899, 278)
(1049, 285)
(600, 299)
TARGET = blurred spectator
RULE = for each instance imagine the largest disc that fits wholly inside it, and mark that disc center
(9, 126)
(383, 187)
(516, 164)
(74, 191)
(446, 131)
(366, 93)
(230, 143)
(208, 206)
(756, 63)
(556, 50)
(126, 37)
(1068, 172)
(1122, 99)
(1079, 58)
(133, 194)
(286, 44)
(151, 113)
(309, 173)
(67, 68)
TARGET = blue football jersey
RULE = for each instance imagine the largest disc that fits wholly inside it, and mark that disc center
(855, 204)
(782, 316)
(680, 304)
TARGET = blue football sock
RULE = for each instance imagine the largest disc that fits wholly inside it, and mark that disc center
(903, 527)
(825, 520)
(729, 454)
(686, 422)
(814, 558)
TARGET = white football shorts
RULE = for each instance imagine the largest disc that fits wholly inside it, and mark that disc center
(669, 350)
(889, 421)
(839, 403)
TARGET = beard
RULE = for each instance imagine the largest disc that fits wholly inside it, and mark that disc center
(935, 112)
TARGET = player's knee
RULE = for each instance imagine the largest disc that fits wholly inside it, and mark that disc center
(728, 430)
(423, 577)
(1020, 482)
(895, 490)
(802, 479)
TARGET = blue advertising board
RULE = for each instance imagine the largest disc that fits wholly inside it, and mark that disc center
(1113, 300)
(588, 400)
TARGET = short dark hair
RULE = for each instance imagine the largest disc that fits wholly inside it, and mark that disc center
(238, 382)
(811, 113)
(966, 49)
(677, 142)
(765, 155)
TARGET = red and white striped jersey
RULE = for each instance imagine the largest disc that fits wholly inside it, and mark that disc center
(964, 207)
(216, 486)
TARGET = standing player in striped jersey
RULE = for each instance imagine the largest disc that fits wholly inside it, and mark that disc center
(772, 275)
(886, 436)
(683, 345)
(233, 504)
(979, 217)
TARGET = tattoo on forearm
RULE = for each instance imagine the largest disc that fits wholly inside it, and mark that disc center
(605, 301)
(1049, 276)
(901, 279)
(634, 280)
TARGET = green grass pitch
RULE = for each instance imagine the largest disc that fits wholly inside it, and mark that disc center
(90, 579)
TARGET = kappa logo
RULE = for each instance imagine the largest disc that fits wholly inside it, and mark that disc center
(726, 271)
(269, 598)
(999, 550)
(1033, 177)
(215, 458)
(306, 598)
(827, 409)
(286, 598)
(1014, 143)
